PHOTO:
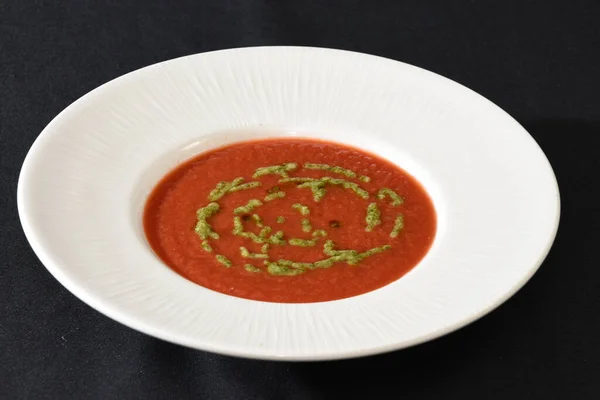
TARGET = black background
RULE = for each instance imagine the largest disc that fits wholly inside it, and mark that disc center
(539, 60)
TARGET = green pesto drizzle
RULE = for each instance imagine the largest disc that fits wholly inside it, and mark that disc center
(223, 260)
(351, 257)
(323, 167)
(251, 268)
(306, 226)
(275, 268)
(203, 228)
(362, 193)
(266, 238)
(264, 232)
(302, 242)
(226, 187)
(328, 248)
(258, 220)
(295, 264)
(373, 217)
(273, 196)
(319, 233)
(206, 246)
(248, 208)
(262, 238)
(375, 250)
(276, 239)
(238, 225)
(223, 188)
(282, 170)
(246, 254)
(334, 169)
(302, 265)
(238, 230)
(398, 226)
(318, 187)
(250, 235)
(245, 186)
(304, 210)
(396, 199)
(297, 180)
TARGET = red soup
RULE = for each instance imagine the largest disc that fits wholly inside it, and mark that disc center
(290, 220)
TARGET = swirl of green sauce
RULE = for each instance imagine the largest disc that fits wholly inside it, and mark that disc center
(266, 238)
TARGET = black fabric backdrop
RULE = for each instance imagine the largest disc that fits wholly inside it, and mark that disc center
(538, 60)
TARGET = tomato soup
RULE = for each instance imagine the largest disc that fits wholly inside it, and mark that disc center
(289, 220)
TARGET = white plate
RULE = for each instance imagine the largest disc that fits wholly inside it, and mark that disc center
(84, 182)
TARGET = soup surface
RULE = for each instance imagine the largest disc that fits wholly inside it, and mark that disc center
(289, 220)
